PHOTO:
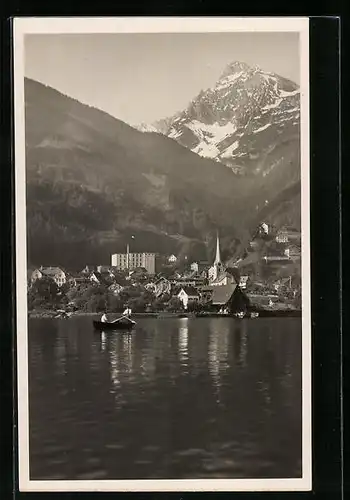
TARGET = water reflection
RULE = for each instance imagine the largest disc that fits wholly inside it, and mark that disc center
(241, 343)
(176, 398)
(218, 353)
(103, 341)
(183, 342)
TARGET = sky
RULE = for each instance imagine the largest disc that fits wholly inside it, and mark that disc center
(140, 78)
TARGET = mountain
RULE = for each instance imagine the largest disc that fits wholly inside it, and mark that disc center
(93, 181)
(249, 121)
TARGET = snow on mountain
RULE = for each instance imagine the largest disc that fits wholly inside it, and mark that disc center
(144, 127)
(247, 115)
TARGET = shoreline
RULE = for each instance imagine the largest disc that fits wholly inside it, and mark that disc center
(266, 313)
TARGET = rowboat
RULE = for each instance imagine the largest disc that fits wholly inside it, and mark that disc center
(122, 323)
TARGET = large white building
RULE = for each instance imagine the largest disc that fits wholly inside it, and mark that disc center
(123, 261)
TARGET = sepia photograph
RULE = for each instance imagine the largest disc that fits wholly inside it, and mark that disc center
(163, 254)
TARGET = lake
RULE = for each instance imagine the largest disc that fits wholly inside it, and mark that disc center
(176, 398)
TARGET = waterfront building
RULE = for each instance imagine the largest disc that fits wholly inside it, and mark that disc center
(130, 261)
(188, 294)
(54, 273)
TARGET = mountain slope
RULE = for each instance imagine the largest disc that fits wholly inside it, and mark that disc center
(93, 181)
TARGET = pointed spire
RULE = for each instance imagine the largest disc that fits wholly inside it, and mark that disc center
(217, 255)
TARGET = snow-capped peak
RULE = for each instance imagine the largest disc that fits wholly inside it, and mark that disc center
(247, 110)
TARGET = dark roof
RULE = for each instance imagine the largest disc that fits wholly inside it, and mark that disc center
(222, 294)
(50, 271)
(191, 291)
(102, 277)
(88, 268)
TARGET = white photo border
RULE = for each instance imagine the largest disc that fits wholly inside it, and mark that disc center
(36, 25)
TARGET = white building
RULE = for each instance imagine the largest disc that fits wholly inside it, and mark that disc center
(172, 259)
(264, 227)
(55, 273)
(188, 295)
(194, 267)
(243, 282)
(282, 237)
(130, 261)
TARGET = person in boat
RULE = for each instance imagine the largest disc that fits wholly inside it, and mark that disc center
(127, 312)
(104, 318)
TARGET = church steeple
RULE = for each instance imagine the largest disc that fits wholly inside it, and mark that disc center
(216, 270)
(217, 254)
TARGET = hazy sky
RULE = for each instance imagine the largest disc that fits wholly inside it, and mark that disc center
(144, 77)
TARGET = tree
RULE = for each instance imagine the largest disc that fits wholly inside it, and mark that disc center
(114, 303)
(193, 306)
(43, 292)
(175, 304)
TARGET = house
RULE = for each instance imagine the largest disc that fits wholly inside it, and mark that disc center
(54, 273)
(253, 244)
(282, 237)
(222, 294)
(188, 295)
(206, 294)
(294, 252)
(101, 278)
(282, 284)
(139, 274)
(229, 298)
(239, 301)
(193, 282)
(151, 287)
(264, 228)
(172, 259)
(88, 270)
(243, 282)
(162, 287)
(224, 278)
(288, 234)
(194, 267)
(76, 280)
(275, 258)
(200, 268)
(106, 270)
(115, 288)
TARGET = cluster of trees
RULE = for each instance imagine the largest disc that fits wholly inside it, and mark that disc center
(44, 294)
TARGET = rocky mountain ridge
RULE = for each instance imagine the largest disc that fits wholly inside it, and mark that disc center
(241, 121)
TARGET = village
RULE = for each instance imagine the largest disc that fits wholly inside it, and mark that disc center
(264, 280)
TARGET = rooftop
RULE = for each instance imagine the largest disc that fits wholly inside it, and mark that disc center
(222, 294)
(50, 271)
(191, 291)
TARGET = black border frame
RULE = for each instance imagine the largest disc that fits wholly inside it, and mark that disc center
(325, 259)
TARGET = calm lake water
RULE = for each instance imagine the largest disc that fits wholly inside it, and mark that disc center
(177, 398)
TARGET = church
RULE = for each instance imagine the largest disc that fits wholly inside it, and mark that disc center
(217, 273)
